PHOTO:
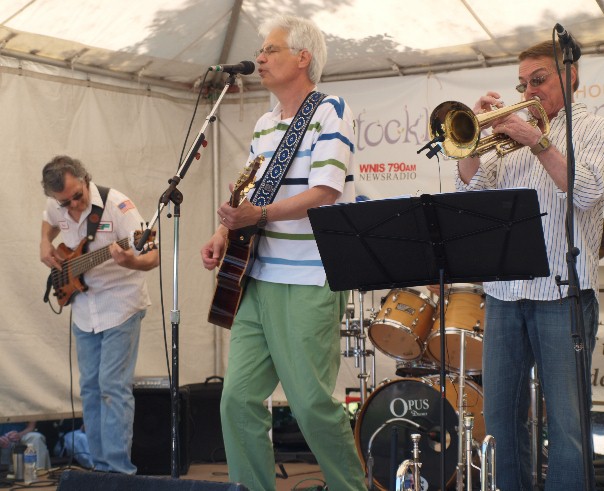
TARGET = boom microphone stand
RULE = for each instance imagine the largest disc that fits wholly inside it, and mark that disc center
(172, 194)
(571, 52)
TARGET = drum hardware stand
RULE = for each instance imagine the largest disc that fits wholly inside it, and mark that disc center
(370, 445)
(461, 409)
(465, 421)
(356, 328)
(415, 464)
(536, 425)
(468, 424)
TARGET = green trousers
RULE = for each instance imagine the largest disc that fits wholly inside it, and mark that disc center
(287, 333)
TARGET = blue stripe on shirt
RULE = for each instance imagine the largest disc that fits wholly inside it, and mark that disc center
(338, 105)
(288, 262)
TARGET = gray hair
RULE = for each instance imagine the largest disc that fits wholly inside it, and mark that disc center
(53, 174)
(301, 34)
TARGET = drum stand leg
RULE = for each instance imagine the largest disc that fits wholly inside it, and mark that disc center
(360, 359)
(536, 425)
(357, 330)
(461, 405)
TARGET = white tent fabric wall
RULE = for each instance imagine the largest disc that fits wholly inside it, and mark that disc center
(131, 139)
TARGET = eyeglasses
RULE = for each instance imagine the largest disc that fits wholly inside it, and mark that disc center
(270, 49)
(534, 82)
(76, 197)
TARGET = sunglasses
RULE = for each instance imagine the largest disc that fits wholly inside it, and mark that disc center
(534, 82)
(76, 197)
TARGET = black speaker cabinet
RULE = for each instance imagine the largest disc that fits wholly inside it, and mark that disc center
(152, 438)
(207, 444)
(99, 481)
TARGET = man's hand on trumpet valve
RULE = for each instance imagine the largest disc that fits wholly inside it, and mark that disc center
(488, 102)
(517, 129)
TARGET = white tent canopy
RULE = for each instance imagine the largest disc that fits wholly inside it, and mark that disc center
(114, 84)
(174, 42)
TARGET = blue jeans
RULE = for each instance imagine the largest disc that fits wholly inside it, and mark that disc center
(517, 335)
(106, 361)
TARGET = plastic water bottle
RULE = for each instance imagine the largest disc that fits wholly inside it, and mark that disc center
(30, 459)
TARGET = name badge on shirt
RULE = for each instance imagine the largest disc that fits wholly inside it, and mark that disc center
(105, 227)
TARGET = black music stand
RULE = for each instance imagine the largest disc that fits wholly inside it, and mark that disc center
(432, 239)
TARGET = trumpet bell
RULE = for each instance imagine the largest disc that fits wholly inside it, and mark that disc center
(458, 126)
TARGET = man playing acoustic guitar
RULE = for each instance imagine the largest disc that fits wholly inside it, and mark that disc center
(107, 314)
(287, 326)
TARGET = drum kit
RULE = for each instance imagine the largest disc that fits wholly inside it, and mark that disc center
(400, 418)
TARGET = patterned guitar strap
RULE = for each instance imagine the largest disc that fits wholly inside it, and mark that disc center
(94, 219)
(270, 182)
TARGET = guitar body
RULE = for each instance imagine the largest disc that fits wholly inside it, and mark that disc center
(230, 280)
(69, 280)
(65, 284)
(238, 256)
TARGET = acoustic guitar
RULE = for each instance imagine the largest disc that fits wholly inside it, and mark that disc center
(69, 280)
(238, 256)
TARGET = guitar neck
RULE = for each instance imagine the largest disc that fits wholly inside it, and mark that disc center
(86, 262)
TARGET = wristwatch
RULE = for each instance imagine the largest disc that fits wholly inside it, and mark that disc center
(542, 144)
(263, 219)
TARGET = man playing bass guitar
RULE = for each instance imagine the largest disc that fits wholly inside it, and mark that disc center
(107, 315)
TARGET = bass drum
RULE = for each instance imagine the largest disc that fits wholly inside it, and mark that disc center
(404, 407)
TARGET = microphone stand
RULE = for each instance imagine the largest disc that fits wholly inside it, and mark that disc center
(576, 312)
(172, 194)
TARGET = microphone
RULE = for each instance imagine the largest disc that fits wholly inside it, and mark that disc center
(566, 40)
(243, 67)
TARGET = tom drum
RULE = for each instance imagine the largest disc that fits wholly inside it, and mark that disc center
(464, 312)
(403, 324)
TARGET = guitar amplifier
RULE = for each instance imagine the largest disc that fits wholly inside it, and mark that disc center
(152, 430)
(206, 443)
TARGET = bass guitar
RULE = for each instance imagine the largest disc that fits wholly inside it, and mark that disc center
(69, 280)
(238, 256)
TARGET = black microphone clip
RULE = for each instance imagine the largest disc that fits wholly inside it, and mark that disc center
(433, 147)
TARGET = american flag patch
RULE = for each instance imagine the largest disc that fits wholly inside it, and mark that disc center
(126, 205)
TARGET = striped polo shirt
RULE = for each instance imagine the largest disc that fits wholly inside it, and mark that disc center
(521, 169)
(287, 251)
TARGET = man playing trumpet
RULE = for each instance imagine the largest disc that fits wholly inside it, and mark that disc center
(526, 321)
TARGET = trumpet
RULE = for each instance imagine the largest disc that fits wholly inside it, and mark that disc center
(487, 467)
(458, 129)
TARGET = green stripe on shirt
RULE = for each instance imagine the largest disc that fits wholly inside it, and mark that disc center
(323, 163)
(285, 236)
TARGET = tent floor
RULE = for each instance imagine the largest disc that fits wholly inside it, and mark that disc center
(296, 472)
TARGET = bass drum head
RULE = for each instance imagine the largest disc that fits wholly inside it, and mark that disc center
(404, 407)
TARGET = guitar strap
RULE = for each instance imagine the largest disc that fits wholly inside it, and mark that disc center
(94, 219)
(269, 184)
